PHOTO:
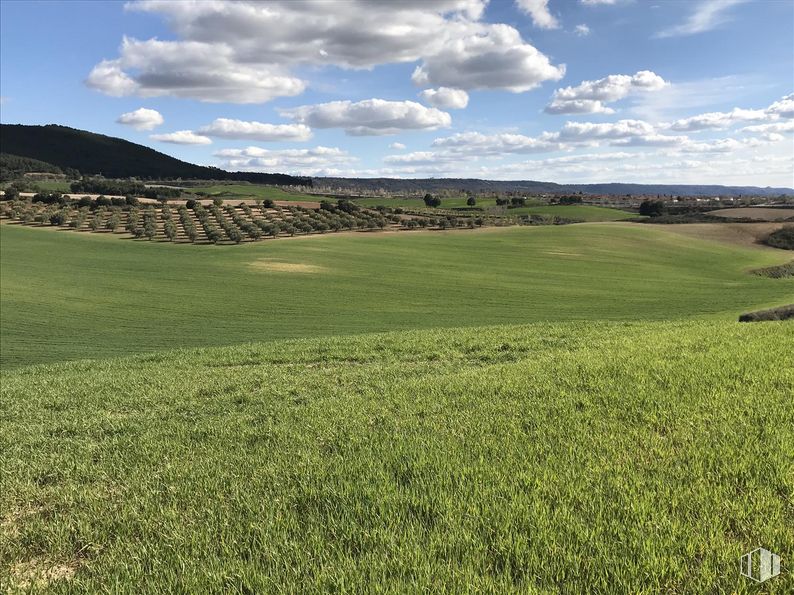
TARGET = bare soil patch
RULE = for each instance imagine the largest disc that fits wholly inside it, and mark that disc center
(563, 253)
(11, 522)
(39, 574)
(264, 264)
(742, 234)
(760, 213)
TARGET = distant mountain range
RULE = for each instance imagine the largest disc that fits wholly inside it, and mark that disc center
(70, 149)
(90, 153)
(535, 187)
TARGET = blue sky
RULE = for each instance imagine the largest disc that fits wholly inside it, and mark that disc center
(663, 91)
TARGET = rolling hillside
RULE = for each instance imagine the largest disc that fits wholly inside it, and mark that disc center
(70, 295)
(112, 157)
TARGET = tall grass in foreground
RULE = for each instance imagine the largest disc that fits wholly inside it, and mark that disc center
(600, 457)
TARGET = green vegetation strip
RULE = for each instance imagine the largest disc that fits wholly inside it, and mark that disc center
(777, 272)
(67, 295)
(591, 457)
(242, 191)
(577, 212)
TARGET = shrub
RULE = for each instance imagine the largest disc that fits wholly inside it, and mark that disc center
(781, 313)
(132, 221)
(78, 220)
(432, 201)
(190, 203)
(782, 238)
(234, 235)
(113, 222)
(652, 208)
(217, 202)
(169, 227)
(58, 218)
(471, 201)
(347, 206)
(213, 235)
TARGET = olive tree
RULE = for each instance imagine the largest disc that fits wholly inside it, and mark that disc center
(169, 227)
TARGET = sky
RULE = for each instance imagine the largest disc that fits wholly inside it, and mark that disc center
(569, 91)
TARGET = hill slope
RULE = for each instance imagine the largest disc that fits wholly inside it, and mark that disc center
(69, 295)
(112, 157)
(622, 457)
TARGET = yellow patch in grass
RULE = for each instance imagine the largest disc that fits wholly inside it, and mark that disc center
(39, 574)
(286, 267)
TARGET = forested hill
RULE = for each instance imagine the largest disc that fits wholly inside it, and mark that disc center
(536, 187)
(89, 153)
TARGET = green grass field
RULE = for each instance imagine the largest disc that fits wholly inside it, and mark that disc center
(54, 185)
(414, 203)
(70, 295)
(46, 185)
(591, 457)
(554, 408)
(587, 213)
(446, 203)
(241, 191)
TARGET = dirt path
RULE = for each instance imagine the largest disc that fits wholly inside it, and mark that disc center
(741, 234)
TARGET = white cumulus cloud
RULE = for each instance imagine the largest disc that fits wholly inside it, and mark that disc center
(538, 10)
(446, 98)
(495, 144)
(590, 97)
(717, 120)
(206, 71)
(141, 119)
(315, 161)
(587, 131)
(246, 51)
(783, 108)
(370, 117)
(707, 15)
(582, 30)
(397, 146)
(240, 129)
(182, 137)
(487, 57)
